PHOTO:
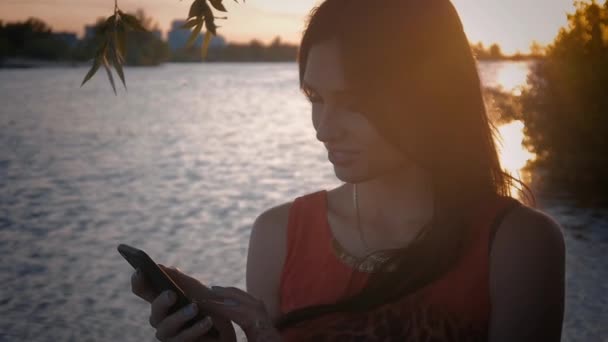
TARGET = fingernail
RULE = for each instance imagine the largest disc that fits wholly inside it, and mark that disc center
(190, 310)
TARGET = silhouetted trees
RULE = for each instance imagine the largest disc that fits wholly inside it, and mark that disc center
(32, 39)
(565, 111)
(255, 51)
(494, 52)
(481, 53)
(537, 50)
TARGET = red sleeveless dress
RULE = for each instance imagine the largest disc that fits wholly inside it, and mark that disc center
(454, 308)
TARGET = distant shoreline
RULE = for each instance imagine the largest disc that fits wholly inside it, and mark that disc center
(28, 63)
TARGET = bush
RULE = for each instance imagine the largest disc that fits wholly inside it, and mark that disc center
(565, 110)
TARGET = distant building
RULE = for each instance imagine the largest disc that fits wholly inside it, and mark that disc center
(69, 38)
(178, 37)
(89, 32)
(158, 34)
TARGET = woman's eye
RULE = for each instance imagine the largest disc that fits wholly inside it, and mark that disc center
(315, 99)
(312, 96)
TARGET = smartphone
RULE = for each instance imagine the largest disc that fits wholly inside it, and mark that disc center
(160, 281)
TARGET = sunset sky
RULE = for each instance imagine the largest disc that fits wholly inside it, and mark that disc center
(511, 23)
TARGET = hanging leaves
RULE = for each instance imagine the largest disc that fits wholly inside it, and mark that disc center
(132, 22)
(113, 48)
(116, 60)
(196, 9)
(190, 24)
(106, 65)
(94, 68)
(217, 4)
(120, 42)
(195, 32)
(201, 10)
(200, 13)
(209, 20)
(206, 42)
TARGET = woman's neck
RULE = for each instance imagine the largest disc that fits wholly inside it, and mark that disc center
(396, 200)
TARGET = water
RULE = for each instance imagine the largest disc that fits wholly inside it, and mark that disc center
(180, 167)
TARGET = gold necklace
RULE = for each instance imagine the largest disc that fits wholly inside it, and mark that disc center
(356, 205)
(369, 263)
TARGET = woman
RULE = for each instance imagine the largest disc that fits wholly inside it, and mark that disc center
(396, 100)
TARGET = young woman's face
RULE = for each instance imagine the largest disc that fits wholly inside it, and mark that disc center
(357, 151)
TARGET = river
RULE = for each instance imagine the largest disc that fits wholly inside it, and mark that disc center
(180, 166)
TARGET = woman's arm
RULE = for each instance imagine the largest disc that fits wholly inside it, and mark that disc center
(265, 259)
(527, 278)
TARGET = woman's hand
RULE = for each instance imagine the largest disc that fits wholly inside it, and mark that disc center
(170, 327)
(245, 310)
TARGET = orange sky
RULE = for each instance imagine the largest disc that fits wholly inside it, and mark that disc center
(511, 23)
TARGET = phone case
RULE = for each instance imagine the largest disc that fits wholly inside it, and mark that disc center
(160, 281)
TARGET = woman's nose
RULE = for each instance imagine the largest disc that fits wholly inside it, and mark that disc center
(329, 127)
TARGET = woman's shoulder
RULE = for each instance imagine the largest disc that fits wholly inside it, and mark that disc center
(524, 222)
(273, 218)
(527, 272)
(528, 239)
(277, 217)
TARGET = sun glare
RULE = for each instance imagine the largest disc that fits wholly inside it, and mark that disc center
(512, 77)
(513, 155)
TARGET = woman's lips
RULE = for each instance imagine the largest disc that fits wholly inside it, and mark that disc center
(342, 157)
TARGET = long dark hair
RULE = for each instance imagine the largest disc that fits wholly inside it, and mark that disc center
(411, 67)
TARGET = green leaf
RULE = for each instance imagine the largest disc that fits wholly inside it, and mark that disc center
(194, 34)
(191, 23)
(197, 8)
(132, 22)
(106, 26)
(206, 41)
(209, 19)
(217, 4)
(106, 65)
(92, 71)
(102, 49)
(120, 42)
(210, 26)
(115, 60)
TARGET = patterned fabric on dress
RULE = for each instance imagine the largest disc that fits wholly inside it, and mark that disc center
(454, 308)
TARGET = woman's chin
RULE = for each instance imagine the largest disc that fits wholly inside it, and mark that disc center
(347, 174)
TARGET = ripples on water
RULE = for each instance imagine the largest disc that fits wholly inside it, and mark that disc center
(180, 167)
